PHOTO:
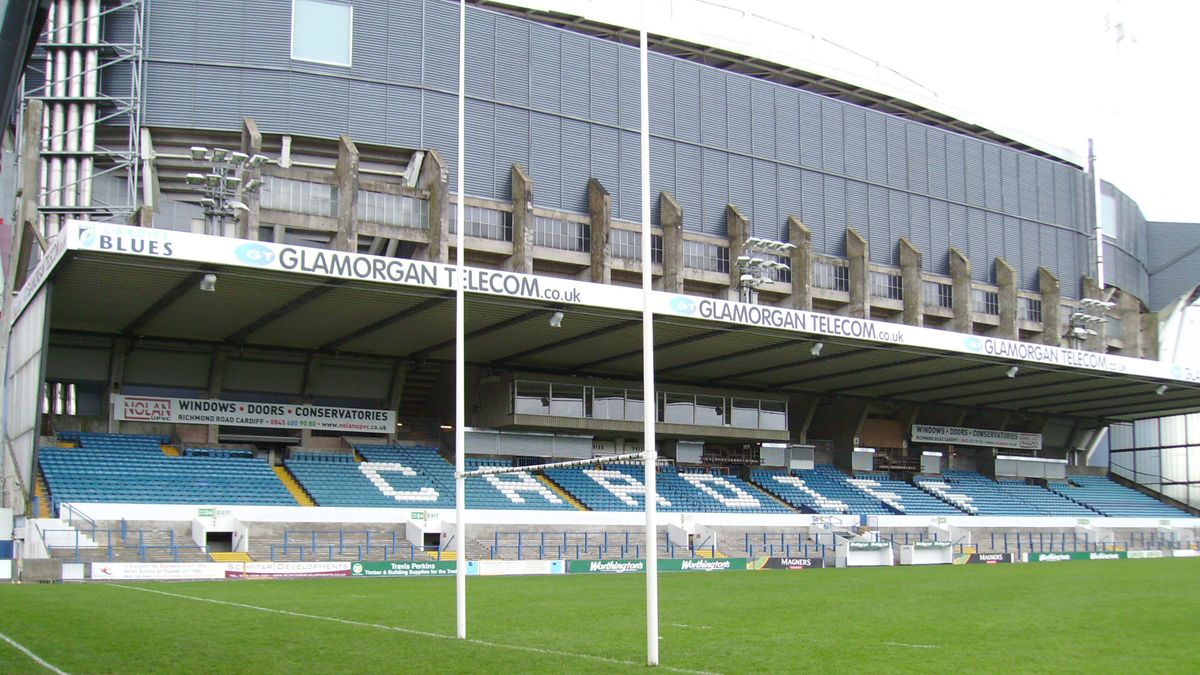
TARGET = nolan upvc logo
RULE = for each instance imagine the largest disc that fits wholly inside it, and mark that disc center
(705, 565)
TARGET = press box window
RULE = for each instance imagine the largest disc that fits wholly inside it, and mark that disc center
(322, 31)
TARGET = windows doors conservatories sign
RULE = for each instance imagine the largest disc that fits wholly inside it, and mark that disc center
(249, 414)
(992, 438)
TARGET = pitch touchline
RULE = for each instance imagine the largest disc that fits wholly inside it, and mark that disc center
(905, 644)
(37, 659)
(397, 629)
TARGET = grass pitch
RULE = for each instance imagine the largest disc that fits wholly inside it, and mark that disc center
(1127, 615)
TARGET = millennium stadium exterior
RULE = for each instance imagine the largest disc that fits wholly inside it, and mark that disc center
(234, 224)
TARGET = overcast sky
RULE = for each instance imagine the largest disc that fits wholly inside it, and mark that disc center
(1058, 70)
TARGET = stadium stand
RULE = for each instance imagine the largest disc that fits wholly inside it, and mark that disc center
(621, 487)
(133, 469)
(979, 495)
(516, 490)
(1106, 497)
(904, 498)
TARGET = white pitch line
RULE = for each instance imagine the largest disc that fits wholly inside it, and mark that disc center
(905, 644)
(684, 625)
(409, 631)
(37, 659)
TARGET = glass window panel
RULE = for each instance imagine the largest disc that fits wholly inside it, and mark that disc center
(1193, 425)
(773, 415)
(678, 408)
(745, 413)
(1120, 436)
(1173, 430)
(710, 411)
(533, 398)
(321, 31)
(1145, 433)
(608, 404)
(634, 405)
(566, 400)
(1147, 467)
(1194, 463)
(1175, 492)
(1174, 464)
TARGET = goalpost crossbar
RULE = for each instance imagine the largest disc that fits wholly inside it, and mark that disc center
(492, 470)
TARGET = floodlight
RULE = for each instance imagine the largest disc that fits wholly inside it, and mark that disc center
(199, 153)
(1012, 372)
(232, 182)
(208, 282)
(256, 161)
(252, 185)
(816, 348)
(237, 158)
(233, 203)
(556, 318)
(195, 179)
(219, 154)
(1162, 389)
(212, 179)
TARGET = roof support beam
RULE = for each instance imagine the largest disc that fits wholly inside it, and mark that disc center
(239, 336)
(333, 345)
(166, 300)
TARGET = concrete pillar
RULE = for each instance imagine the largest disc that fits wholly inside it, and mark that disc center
(1094, 343)
(802, 409)
(670, 217)
(312, 370)
(802, 265)
(960, 279)
(1129, 310)
(396, 390)
(116, 374)
(737, 226)
(1006, 281)
(910, 274)
(840, 421)
(1051, 291)
(435, 181)
(28, 226)
(216, 383)
(600, 219)
(1149, 342)
(346, 238)
(247, 224)
(522, 196)
(860, 275)
(144, 216)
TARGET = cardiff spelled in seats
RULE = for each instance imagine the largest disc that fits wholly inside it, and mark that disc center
(621, 487)
(1109, 498)
(125, 468)
(980, 495)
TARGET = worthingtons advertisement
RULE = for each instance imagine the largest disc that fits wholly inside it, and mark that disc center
(925, 433)
(248, 414)
(185, 246)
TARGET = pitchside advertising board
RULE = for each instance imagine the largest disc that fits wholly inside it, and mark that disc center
(184, 246)
(984, 558)
(664, 565)
(1077, 555)
(250, 414)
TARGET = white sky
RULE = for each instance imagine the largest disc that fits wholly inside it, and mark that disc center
(1050, 69)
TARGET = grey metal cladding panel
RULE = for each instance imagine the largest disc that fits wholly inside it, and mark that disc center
(737, 107)
(169, 94)
(606, 93)
(1045, 192)
(317, 105)
(481, 55)
(919, 227)
(115, 82)
(1064, 196)
(220, 89)
(974, 172)
(512, 60)
(877, 230)
(1027, 170)
(545, 159)
(958, 224)
(440, 130)
(117, 27)
(441, 46)
(662, 173)
(741, 184)
(573, 62)
(810, 130)
(1177, 278)
(543, 68)
(897, 153)
(715, 191)
(713, 115)
(266, 99)
(1012, 249)
(812, 212)
(898, 225)
(956, 169)
(370, 40)
(368, 112)
(576, 159)
(687, 101)
(791, 192)
(995, 242)
(1010, 184)
(937, 259)
(835, 204)
(629, 86)
(935, 157)
(855, 142)
(688, 185)
(833, 145)
(918, 162)
(662, 95)
(1030, 257)
(218, 37)
(480, 131)
(787, 126)
(630, 188)
(1067, 266)
(767, 221)
(992, 177)
(404, 52)
(877, 160)
(605, 155)
(171, 31)
(512, 147)
(403, 117)
(858, 212)
(977, 245)
(762, 112)
(1047, 251)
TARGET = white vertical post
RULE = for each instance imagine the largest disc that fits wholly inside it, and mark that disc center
(1099, 225)
(460, 368)
(649, 403)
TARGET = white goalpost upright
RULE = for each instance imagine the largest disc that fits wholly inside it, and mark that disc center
(460, 365)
